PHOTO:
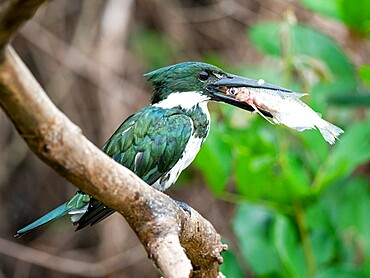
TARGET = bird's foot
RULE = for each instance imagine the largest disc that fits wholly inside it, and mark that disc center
(184, 206)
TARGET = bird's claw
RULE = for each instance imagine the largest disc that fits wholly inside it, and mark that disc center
(184, 206)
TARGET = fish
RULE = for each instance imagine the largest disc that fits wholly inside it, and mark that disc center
(287, 109)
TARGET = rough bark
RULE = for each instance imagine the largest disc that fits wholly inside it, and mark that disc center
(164, 229)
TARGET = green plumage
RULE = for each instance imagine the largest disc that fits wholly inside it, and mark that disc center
(150, 142)
(182, 77)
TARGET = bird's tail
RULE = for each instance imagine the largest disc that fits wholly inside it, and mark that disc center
(51, 216)
(77, 205)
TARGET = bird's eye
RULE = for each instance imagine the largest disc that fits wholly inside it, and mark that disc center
(203, 75)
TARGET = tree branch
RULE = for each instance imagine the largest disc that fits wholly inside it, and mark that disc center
(12, 15)
(100, 268)
(163, 228)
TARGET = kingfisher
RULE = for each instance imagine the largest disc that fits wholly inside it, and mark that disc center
(159, 141)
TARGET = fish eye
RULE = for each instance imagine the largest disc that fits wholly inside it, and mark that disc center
(203, 75)
(232, 91)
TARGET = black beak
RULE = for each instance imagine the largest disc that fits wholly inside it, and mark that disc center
(218, 90)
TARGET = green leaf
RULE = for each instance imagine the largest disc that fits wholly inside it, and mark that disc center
(288, 248)
(364, 72)
(348, 205)
(296, 175)
(322, 237)
(350, 100)
(351, 151)
(258, 174)
(328, 8)
(231, 266)
(252, 225)
(356, 15)
(323, 246)
(317, 217)
(265, 36)
(343, 271)
(254, 176)
(269, 165)
(154, 48)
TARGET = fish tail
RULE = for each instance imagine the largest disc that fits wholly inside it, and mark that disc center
(329, 131)
(51, 216)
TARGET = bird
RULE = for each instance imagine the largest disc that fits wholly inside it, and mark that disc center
(159, 141)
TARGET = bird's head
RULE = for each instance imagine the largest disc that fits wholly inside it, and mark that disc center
(201, 82)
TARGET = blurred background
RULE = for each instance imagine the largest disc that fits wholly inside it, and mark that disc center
(287, 203)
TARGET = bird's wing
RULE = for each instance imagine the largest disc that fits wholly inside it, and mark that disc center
(148, 143)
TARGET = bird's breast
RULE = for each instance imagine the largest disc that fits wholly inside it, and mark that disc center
(200, 120)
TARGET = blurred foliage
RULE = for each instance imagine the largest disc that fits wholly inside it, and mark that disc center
(365, 74)
(152, 47)
(301, 205)
(355, 15)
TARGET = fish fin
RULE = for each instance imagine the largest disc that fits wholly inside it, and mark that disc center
(302, 128)
(296, 95)
(259, 112)
(330, 132)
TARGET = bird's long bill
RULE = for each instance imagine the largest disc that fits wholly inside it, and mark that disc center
(219, 88)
